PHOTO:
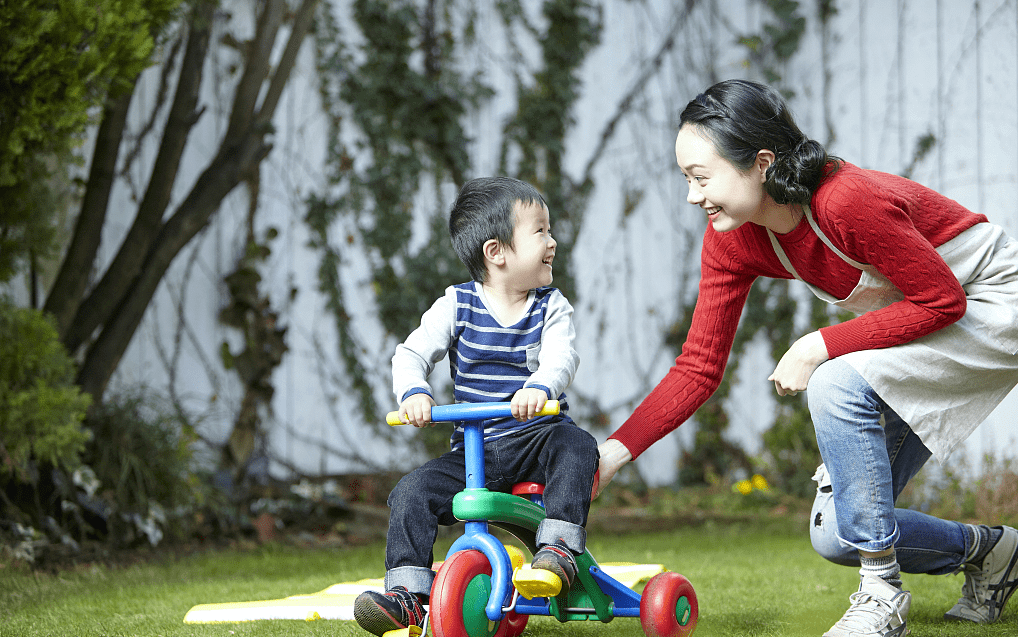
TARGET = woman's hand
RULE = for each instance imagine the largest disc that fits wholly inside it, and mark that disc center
(800, 361)
(614, 456)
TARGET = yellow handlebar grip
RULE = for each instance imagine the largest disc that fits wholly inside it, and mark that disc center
(550, 409)
(392, 418)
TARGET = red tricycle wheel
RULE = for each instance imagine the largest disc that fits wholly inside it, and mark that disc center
(458, 596)
(668, 606)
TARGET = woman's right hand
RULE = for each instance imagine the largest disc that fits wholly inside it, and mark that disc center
(416, 410)
(614, 456)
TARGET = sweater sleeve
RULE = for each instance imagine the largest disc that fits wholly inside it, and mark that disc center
(698, 370)
(874, 226)
(558, 359)
(415, 357)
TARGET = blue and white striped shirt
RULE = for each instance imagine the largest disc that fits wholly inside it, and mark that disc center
(489, 362)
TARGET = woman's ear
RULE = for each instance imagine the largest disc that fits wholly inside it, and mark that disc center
(764, 160)
(493, 252)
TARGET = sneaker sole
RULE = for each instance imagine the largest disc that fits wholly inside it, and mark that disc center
(373, 618)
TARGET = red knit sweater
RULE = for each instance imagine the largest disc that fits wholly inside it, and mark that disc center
(875, 218)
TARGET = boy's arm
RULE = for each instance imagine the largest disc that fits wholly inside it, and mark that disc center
(415, 358)
(558, 360)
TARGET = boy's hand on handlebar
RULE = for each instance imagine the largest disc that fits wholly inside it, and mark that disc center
(416, 410)
(527, 402)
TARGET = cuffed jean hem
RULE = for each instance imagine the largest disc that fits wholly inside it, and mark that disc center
(416, 579)
(551, 531)
(876, 546)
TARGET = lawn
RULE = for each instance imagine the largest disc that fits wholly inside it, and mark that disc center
(749, 580)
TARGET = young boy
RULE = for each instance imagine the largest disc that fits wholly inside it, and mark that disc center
(509, 338)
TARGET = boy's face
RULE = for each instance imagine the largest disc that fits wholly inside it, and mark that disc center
(529, 262)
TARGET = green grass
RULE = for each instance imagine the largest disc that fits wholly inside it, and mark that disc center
(749, 581)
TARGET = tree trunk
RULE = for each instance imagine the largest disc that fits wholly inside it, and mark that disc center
(240, 153)
(116, 282)
(69, 288)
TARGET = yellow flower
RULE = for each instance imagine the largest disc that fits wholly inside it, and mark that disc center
(760, 482)
(745, 487)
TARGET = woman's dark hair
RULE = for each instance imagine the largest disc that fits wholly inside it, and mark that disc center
(741, 118)
(486, 209)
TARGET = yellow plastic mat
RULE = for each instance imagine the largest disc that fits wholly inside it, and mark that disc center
(336, 601)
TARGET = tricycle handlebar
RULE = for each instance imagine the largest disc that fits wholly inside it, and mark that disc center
(473, 411)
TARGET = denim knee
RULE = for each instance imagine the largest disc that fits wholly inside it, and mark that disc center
(823, 527)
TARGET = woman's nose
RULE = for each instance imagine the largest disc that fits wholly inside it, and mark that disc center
(694, 196)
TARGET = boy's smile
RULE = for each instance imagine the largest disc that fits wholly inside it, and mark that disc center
(530, 260)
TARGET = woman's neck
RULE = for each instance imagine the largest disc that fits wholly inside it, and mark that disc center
(782, 218)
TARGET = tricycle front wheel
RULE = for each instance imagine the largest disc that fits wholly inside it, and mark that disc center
(458, 596)
(668, 606)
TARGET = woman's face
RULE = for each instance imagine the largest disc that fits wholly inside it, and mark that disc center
(728, 195)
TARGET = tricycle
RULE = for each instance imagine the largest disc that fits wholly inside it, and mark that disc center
(487, 589)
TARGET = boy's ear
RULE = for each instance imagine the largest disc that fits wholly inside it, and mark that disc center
(493, 252)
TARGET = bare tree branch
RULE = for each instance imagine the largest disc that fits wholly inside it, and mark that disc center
(649, 71)
(116, 282)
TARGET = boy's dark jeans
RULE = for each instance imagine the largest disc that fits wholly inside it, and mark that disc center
(560, 455)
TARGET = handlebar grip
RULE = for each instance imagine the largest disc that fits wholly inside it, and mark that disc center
(473, 411)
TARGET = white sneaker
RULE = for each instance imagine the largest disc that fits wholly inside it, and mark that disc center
(987, 588)
(878, 610)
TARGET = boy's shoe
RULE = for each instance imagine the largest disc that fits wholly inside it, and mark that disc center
(379, 613)
(559, 560)
(878, 610)
(988, 587)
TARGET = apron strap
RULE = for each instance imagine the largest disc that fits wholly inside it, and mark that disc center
(827, 242)
(783, 258)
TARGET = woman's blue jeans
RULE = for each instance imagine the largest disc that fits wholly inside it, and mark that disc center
(869, 463)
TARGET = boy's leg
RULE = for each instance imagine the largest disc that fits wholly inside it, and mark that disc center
(564, 458)
(419, 503)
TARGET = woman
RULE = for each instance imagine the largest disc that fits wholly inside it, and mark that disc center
(931, 352)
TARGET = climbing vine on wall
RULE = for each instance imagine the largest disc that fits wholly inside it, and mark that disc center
(396, 93)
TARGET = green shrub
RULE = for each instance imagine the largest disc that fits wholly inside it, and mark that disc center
(141, 456)
(41, 409)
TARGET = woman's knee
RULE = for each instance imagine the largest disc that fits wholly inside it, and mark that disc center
(823, 528)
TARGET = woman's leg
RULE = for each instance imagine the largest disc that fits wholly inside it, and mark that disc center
(869, 463)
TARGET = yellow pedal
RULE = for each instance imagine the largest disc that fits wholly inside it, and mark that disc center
(536, 582)
(409, 631)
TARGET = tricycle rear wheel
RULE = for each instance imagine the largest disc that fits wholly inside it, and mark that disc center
(668, 606)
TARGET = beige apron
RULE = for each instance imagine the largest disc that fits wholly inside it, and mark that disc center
(945, 383)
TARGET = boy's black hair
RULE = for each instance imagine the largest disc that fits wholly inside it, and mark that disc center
(486, 209)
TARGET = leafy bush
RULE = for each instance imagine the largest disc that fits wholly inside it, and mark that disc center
(141, 456)
(41, 409)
